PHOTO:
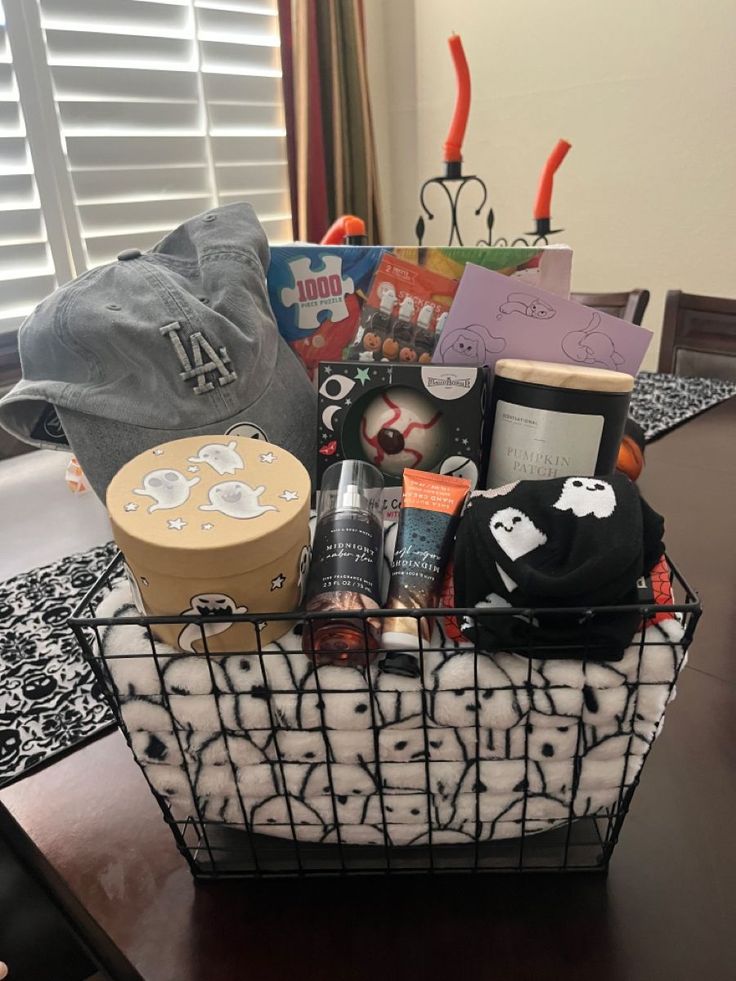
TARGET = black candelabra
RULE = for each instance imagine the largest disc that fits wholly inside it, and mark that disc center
(453, 182)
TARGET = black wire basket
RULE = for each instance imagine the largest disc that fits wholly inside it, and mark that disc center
(434, 797)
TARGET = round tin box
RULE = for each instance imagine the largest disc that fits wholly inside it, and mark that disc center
(211, 525)
(555, 420)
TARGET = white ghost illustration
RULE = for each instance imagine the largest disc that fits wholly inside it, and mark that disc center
(237, 500)
(587, 495)
(222, 457)
(168, 488)
(207, 605)
(515, 532)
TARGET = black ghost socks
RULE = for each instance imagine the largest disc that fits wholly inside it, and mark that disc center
(568, 542)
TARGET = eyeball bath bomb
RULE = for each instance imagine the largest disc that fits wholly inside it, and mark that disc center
(401, 428)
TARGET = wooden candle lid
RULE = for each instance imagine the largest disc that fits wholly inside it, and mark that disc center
(564, 375)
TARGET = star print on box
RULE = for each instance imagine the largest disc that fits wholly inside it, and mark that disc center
(176, 524)
(131, 506)
(289, 495)
(363, 375)
(207, 526)
(193, 469)
(319, 289)
(268, 458)
(278, 581)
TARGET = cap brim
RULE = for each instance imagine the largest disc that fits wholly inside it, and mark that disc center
(284, 415)
(22, 412)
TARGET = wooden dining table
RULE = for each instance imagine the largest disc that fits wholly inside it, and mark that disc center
(92, 834)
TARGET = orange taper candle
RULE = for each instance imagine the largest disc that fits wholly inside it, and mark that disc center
(456, 133)
(544, 193)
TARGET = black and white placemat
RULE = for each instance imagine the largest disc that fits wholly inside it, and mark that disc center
(49, 699)
(660, 402)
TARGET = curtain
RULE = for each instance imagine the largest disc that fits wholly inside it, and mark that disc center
(330, 146)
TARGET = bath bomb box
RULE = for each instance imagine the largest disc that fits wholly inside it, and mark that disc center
(211, 525)
(393, 415)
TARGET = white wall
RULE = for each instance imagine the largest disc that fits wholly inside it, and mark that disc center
(645, 90)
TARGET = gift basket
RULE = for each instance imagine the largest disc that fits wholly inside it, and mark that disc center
(462, 659)
(484, 761)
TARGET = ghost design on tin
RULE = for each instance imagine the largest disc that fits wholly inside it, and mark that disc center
(235, 499)
(207, 605)
(168, 488)
(222, 457)
(515, 532)
(587, 495)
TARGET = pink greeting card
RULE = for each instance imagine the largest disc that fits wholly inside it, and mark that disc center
(495, 317)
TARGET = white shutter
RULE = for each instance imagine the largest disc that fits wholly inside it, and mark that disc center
(26, 267)
(166, 108)
(241, 81)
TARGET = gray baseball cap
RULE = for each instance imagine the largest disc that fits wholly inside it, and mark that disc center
(178, 341)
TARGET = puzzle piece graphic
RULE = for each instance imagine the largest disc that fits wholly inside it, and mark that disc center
(310, 281)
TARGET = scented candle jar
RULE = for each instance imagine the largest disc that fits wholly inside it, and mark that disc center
(211, 525)
(555, 420)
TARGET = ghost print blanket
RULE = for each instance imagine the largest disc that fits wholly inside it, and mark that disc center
(467, 751)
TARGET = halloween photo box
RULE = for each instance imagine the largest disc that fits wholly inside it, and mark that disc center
(397, 416)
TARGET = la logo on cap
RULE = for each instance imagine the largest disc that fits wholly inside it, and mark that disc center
(218, 361)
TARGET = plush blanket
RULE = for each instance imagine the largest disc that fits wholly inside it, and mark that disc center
(273, 744)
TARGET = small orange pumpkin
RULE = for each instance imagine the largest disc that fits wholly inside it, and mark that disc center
(630, 458)
(391, 348)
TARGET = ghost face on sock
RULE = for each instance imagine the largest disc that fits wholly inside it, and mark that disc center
(587, 495)
(168, 488)
(515, 532)
(237, 500)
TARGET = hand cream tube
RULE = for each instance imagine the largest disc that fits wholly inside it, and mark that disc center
(430, 512)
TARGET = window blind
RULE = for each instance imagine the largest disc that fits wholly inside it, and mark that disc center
(167, 109)
(26, 266)
(164, 108)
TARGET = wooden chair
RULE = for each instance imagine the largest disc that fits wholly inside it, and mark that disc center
(629, 306)
(698, 336)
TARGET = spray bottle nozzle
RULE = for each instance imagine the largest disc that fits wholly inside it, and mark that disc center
(351, 498)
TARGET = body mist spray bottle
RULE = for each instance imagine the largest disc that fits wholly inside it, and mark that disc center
(346, 565)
